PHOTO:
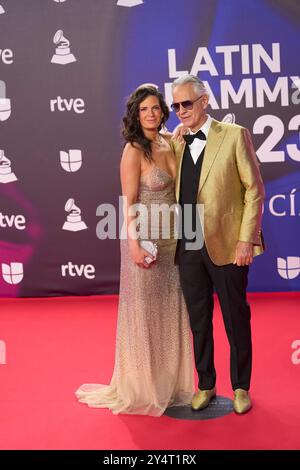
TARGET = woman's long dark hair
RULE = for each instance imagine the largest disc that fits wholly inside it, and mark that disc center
(132, 130)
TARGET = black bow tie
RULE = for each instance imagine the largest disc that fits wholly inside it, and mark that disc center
(189, 138)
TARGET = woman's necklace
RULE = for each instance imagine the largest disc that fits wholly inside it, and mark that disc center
(158, 141)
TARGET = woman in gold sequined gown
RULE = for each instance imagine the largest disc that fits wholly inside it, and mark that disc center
(153, 361)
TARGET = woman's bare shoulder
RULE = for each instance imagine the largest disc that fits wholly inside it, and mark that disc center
(132, 152)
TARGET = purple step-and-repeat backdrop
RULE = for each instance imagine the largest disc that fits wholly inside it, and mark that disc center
(66, 67)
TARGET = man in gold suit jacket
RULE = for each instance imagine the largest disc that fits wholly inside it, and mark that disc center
(217, 170)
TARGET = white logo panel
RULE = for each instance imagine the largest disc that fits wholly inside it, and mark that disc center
(6, 174)
(12, 273)
(71, 269)
(288, 268)
(129, 3)
(74, 223)
(9, 221)
(65, 104)
(63, 53)
(5, 105)
(7, 56)
(71, 161)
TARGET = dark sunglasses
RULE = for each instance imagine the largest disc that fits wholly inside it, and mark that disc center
(188, 104)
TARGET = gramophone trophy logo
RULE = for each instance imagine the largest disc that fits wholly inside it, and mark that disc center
(74, 223)
(6, 175)
(63, 53)
(5, 107)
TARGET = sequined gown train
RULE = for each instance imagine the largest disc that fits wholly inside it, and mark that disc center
(153, 360)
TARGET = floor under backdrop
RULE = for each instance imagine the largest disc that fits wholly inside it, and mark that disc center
(50, 346)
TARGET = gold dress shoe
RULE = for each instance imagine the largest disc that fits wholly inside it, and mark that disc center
(241, 402)
(202, 398)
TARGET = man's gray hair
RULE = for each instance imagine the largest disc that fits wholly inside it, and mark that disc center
(188, 78)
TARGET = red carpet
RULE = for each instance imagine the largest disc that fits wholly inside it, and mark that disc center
(54, 345)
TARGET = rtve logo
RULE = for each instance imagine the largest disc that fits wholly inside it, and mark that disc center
(288, 268)
(9, 221)
(7, 56)
(12, 273)
(71, 161)
(88, 270)
(65, 104)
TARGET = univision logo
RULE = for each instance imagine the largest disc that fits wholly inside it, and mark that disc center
(12, 273)
(71, 161)
(5, 106)
(288, 268)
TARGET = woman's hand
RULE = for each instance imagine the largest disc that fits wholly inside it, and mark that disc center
(138, 255)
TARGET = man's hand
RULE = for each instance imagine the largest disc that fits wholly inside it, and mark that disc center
(243, 253)
(179, 132)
